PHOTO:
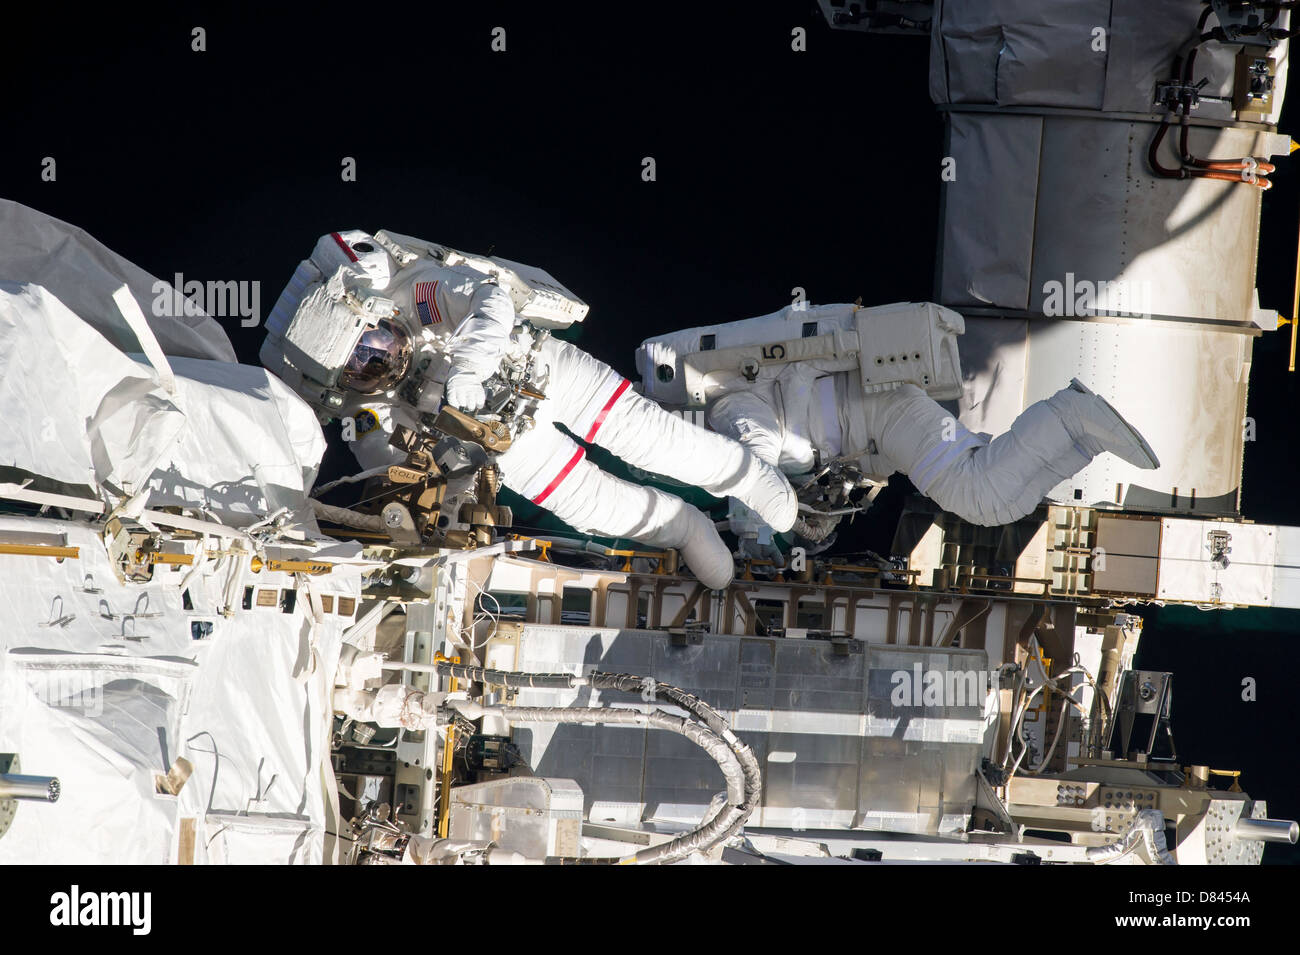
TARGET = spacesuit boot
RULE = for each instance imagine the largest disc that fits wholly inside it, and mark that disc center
(694, 536)
(1097, 427)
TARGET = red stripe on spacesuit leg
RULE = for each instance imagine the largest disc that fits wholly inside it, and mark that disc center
(347, 249)
(591, 433)
(564, 472)
(604, 412)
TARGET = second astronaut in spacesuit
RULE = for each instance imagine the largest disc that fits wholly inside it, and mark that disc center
(809, 386)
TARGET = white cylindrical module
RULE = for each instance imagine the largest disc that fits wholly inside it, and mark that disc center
(1182, 385)
(1070, 255)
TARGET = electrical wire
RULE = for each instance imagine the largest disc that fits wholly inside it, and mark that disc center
(480, 616)
(1045, 680)
(1249, 170)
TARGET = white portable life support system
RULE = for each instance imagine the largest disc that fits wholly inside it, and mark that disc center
(889, 345)
(538, 297)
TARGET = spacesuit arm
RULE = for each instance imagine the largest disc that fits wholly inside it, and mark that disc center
(483, 337)
(750, 420)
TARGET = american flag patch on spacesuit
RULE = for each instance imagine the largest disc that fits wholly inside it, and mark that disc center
(426, 306)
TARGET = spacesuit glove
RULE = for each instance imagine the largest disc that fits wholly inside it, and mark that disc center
(465, 392)
(753, 535)
(754, 548)
(744, 520)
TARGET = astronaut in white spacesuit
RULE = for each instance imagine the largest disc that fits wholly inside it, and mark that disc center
(808, 386)
(436, 325)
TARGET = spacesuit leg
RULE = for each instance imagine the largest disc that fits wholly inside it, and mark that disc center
(599, 405)
(552, 471)
(983, 481)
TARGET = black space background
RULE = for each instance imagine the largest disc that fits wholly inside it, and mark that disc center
(774, 169)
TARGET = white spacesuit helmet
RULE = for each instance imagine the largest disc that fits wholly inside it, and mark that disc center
(379, 361)
(355, 248)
